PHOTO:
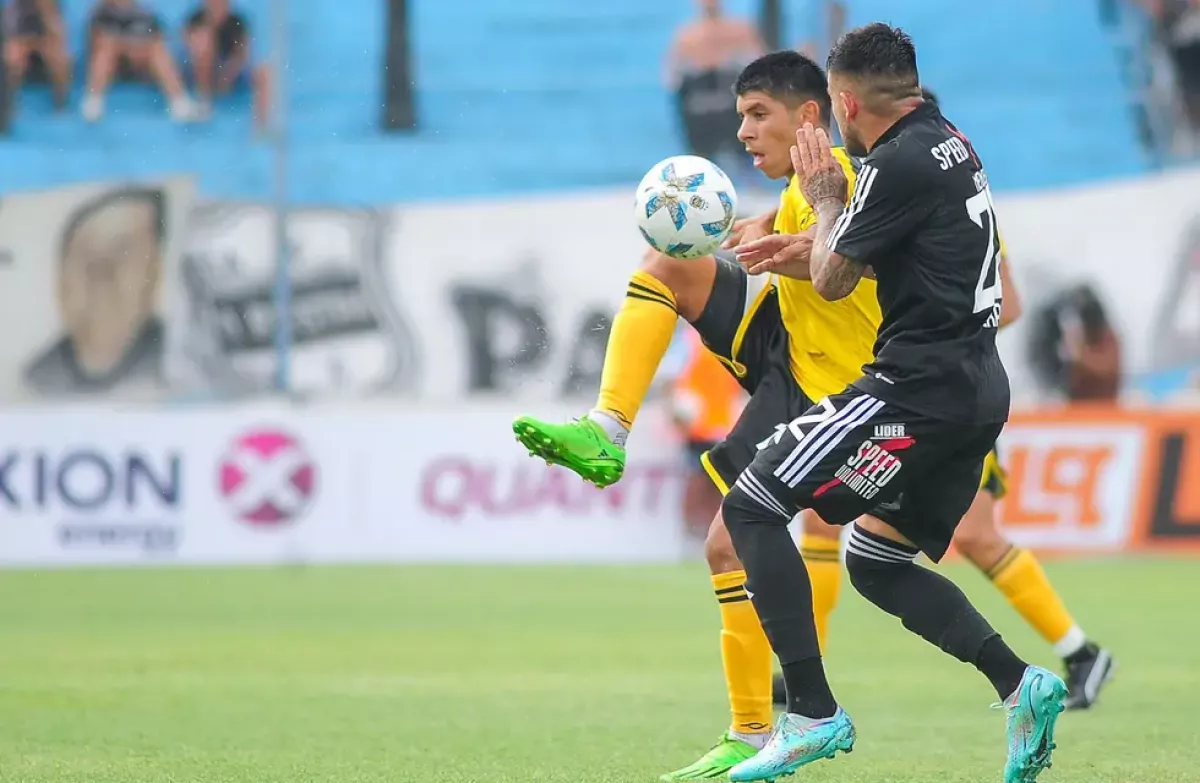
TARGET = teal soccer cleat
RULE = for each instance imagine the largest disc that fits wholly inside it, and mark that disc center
(1032, 712)
(797, 741)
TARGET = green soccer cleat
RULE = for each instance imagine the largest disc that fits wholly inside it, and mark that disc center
(723, 756)
(581, 446)
(1032, 711)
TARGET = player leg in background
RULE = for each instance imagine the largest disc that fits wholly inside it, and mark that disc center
(1017, 574)
(809, 468)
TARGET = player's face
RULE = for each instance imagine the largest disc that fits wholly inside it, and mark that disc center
(846, 109)
(108, 280)
(768, 130)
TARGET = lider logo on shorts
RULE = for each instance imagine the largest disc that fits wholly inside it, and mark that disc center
(267, 478)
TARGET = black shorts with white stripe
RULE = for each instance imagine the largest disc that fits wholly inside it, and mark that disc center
(854, 454)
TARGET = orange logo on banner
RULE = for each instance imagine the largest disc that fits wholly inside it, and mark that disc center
(1055, 484)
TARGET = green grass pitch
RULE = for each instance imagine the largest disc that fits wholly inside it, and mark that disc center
(530, 675)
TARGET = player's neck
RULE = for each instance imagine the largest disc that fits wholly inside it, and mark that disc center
(882, 123)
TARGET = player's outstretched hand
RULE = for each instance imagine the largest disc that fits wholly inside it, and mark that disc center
(746, 230)
(785, 254)
(820, 176)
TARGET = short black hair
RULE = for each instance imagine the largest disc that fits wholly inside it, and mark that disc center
(786, 76)
(882, 57)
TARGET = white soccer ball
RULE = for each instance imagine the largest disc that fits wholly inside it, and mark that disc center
(686, 206)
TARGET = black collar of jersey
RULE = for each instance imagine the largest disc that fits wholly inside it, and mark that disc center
(926, 111)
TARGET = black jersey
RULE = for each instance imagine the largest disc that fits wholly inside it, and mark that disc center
(921, 216)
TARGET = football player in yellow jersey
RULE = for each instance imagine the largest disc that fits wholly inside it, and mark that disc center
(786, 344)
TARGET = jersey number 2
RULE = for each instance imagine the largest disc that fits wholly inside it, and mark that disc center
(987, 296)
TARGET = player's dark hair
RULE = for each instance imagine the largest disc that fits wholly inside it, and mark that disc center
(789, 77)
(883, 58)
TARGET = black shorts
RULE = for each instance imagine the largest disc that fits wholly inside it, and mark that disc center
(856, 454)
(742, 325)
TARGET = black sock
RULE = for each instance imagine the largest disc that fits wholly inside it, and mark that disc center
(778, 584)
(808, 691)
(929, 605)
(1000, 665)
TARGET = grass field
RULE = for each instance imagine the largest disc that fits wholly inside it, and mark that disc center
(578, 675)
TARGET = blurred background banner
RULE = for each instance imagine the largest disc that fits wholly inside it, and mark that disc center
(88, 275)
(1102, 479)
(1110, 277)
(275, 484)
(347, 336)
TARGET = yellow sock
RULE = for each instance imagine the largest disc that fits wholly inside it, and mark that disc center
(745, 654)
(1023, 582)
(825, 572)
(641, 333)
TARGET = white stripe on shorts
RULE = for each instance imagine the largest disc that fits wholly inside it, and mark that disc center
(750, 484)
(825, 437)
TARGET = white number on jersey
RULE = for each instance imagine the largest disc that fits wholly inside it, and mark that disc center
(987, 298)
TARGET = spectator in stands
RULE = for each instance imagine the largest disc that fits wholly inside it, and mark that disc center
(126, 43)
(36, 44)
(1178, 27)
(219, 55)
(703, 63)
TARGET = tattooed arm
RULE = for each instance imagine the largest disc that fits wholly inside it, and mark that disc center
(824, 184)
(834, 276)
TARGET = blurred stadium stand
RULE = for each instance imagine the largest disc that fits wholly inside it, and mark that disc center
(549, 94)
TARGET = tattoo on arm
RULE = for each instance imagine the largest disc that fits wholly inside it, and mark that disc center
(834, 276)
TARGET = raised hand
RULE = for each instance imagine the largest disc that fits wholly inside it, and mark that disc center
(819, 174)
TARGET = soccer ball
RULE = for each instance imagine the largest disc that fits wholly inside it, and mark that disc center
(686, 206)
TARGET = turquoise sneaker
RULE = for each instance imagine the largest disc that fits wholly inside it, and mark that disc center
(1032, 711)
(796, 741)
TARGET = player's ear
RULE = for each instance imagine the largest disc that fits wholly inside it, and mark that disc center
(810, 111)
(849, 104)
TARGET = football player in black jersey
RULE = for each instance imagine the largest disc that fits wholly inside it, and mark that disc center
(1013, 570)
(900, 451)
